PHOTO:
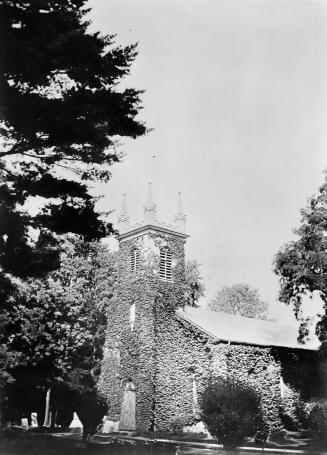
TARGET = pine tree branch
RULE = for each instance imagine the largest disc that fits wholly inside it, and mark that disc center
(55, 164)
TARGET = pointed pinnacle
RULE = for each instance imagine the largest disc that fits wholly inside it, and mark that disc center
(179, 204)
(124, 206)
(149, 202)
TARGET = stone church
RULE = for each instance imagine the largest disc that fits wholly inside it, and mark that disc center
(159, 353)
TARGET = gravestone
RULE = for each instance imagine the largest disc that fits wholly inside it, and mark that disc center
(109, 426)
(34, 422)
(24, 422)
(76, 423)
(127, 415)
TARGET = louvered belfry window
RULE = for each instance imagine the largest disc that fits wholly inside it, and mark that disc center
(165, 264)
(135, 259)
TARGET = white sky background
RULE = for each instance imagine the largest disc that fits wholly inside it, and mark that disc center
(236, 94)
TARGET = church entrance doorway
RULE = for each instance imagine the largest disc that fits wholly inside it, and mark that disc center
(127, 413)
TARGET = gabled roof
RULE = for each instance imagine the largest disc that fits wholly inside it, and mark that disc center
(238, 329)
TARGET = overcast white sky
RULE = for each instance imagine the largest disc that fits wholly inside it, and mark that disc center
(236, 94)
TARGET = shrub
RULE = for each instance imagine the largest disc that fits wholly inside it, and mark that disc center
(318, 420)
(177, 425)
(262, 432)
(293, 412)
(230, 411)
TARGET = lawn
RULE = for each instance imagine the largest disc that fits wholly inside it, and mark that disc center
(293, 440)
(30, 443)
(45, 444)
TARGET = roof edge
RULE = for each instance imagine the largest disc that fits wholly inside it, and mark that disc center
(150, 227)
(210, 334)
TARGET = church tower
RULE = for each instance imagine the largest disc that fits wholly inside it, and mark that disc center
(150, 287)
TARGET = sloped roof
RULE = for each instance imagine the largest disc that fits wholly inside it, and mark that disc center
(238, 329)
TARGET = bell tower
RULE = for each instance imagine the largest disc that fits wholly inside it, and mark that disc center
(150, 287)
(151, 248)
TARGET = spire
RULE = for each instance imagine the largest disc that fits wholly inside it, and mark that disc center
(123, 219)
(150, 215)
(179, 204)
(180, 218)
(124, 206)
(154, 174)
(149, 201)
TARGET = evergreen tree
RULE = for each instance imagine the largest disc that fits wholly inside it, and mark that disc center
(61, 114)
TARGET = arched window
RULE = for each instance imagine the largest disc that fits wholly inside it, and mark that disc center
(135, 259)
(194, 394)
(165, 264)
(132, 316)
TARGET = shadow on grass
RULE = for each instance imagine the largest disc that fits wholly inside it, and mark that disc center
(42, 444)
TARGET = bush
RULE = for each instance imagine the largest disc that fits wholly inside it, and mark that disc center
(318, 420)
(177, 425)
(293, 413)
(230, 411)
(262, 432)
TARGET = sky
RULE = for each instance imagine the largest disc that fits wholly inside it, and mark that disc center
(236, 97)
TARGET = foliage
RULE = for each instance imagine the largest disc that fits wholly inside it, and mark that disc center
(301, 265)
(293, 413)
(318, 420)
(194, 282)
(254, 365)
(8, 357)
(177, 424)
(183, 361)
(240, 299)
(89, 404)
(62, 112)
(59, 324)
(322, 371)
(230, 410)
(262, 432)
(168, 358)
(133, 351)
(300, 371)
(18, 255)
(153, 353)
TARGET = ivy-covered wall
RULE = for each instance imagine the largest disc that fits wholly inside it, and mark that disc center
(168, 359)
(185, 354)
(253, 365)
(184, 359)
(134, 352)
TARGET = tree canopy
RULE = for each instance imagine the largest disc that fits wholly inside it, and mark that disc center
(59, 323)
(194, 283)
(62, 111)
(56, 328)
(240, 299)
(301, 265)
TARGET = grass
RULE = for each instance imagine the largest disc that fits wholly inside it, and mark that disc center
(298, 440)
(45, 444)
(30, 443)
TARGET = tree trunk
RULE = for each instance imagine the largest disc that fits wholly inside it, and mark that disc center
(2, 423)
(54, 418)
(47, 409)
